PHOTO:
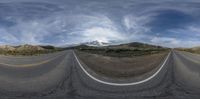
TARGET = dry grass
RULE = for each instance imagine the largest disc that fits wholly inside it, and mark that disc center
(195, 50)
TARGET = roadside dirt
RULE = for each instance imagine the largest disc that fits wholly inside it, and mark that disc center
(125, 67)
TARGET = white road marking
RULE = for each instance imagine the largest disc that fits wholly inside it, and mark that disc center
(30, 65)
(122, 84)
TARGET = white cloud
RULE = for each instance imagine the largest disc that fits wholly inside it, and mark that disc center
(31, 32)
(59, 28)
(102, 34)
(194, 30)
(136, 27)
(7, 37)
(165, 41)
(174, 42)
(136, 23)
(73, 26)
(96, 27)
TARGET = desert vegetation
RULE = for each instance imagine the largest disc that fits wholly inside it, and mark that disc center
(124, 50)
(27, 50)
(195, 50)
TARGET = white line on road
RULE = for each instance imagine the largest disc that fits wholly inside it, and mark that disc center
(122, 84)
(29, 65)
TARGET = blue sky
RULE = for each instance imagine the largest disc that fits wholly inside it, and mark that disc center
(60, 22)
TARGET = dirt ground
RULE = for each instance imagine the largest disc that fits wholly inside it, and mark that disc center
(125, 67)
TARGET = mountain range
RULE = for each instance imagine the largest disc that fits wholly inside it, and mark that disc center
(135, 45)
(24, 47)
(95, 43)
(92, 43)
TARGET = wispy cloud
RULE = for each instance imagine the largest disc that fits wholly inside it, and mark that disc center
(136, 24)
(166, 22)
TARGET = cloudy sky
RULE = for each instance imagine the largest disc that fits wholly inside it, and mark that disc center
(60, 22)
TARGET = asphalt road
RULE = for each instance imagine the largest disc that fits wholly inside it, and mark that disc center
(60, 76)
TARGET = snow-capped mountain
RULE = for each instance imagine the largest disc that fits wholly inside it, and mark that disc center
(95, 43)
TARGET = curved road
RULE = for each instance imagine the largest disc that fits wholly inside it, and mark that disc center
(60, 76)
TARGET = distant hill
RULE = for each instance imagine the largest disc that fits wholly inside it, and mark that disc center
(92, 43)
(86, 44)
(7, 48)
(133, 45)
(192, 50)
(123, 50)
(95, 43)
(195, 48)
(49, 47)
(29, 47)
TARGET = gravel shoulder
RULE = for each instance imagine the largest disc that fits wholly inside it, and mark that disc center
(124, 67)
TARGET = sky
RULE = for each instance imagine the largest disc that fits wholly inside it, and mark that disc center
(167, 23)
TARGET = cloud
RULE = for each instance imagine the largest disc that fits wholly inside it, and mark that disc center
(7, 37)
(136, 24)
(101, 34)
(97, 27)
(165, 22)
(165, 41)
(59, 30)
(194, 30)
(174, 42)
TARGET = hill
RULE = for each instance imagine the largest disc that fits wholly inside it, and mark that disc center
(135, 45)
(95, 43)
(29, 47)
(7, 48)
(123, 50)
(47, 47)
(191, 50)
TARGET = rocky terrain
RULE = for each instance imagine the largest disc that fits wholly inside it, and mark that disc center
(27, 49)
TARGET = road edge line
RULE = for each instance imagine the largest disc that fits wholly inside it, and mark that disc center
(31, 65)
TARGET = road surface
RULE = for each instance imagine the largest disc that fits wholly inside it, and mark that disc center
(61, 76)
